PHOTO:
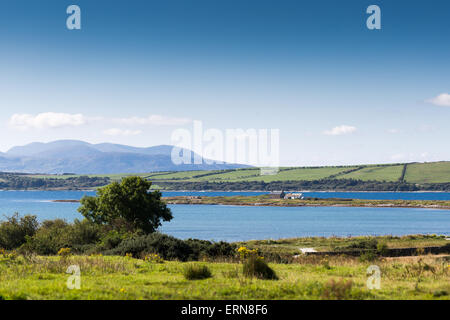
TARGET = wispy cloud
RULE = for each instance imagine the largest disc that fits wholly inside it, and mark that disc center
(340, 130)
(46, 120)
(442, 100)
(156, 120)
(393, 131)
(121, 132)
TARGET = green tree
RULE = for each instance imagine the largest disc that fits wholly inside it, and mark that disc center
(128, 201)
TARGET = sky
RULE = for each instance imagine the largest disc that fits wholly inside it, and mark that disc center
(136, 71)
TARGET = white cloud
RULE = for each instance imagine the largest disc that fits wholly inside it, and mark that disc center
(442, 100)
(344, 129)
(46, 120)
(393, 131)
(154, 119)
(121, 132)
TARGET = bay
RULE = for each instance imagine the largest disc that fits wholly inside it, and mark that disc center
(236, 223)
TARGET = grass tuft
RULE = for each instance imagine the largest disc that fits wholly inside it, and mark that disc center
(196, 272)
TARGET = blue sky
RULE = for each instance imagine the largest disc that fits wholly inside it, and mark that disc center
(138, 70)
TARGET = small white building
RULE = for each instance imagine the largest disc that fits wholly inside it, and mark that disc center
(294, 195)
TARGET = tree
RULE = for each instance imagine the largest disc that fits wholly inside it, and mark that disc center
(129, 201)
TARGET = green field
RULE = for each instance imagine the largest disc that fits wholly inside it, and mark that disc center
(379, 173)
(434, 172)
(416, 173)
(114, 277)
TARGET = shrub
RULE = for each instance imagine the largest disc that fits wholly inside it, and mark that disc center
(168, 247)
(256, 267)
(244, 252)
(370, 243)
(64, 252)
(84, 232)
(112, 239)
(196, 272)
(368, 256)
(210, 249)
(382, 249)
(49, 238)
(15, 230)
(171, 248)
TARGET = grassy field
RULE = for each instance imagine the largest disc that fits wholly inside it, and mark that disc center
(428, 172)
(387, 173)
(310, 277)
(433, 172)
(419, 276)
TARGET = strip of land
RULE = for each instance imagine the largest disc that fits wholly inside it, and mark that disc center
(265, 200)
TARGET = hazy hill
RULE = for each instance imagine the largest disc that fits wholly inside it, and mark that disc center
(80, 157)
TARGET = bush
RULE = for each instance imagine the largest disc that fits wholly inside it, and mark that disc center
(196, 272)
(210, 249)
(84, 232)
(171, 248)
(15, 230)
(111, 240)
(256, 267)
(368, 256)
(382, 249)
(370, 243)
(168, 247)
(49, 238)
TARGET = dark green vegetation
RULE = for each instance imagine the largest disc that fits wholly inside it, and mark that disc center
(27, 236)
(14, 181)
(433, 176)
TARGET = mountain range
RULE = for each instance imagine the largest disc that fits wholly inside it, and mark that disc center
(73, 156)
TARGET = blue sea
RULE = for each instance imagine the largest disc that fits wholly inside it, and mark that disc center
(237, 223)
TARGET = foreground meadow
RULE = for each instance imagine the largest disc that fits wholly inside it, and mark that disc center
(309, 277)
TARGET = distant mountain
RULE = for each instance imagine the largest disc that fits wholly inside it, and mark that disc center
(73, 156)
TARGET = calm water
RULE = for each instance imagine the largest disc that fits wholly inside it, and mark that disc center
(233, 223)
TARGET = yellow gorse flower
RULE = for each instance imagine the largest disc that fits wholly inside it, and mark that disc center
(64, 252)
(153, 257)
(244, 252)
